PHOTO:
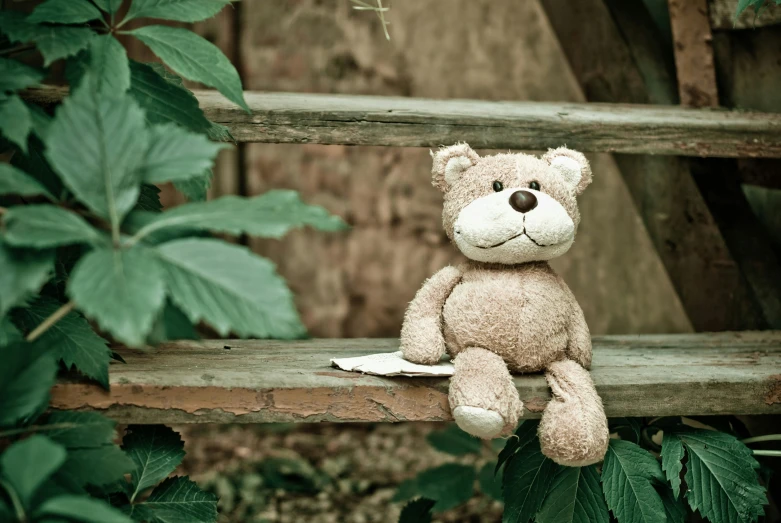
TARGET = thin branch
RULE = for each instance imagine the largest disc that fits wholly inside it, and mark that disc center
(771, 453)
(17, 49)
(759, 439)
(50, 321)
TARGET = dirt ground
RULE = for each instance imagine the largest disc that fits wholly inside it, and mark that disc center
(320, 473)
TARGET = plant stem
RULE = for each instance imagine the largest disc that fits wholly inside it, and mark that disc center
(17, 49)
(774, 453)
(37, 428)
(51, 320)
(15, 501)
(759, 439)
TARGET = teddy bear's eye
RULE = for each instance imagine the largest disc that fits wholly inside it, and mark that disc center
(498, 186)
(535, 186)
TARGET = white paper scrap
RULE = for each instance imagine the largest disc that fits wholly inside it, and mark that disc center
(392, 364)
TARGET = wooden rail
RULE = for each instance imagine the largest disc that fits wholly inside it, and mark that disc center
(415, 122)
(273, 381)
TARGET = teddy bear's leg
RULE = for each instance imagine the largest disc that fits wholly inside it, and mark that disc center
(573, 430)
(483, 398)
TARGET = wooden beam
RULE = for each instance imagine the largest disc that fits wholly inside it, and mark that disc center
(693, 45)
(415, 122)
(274, 381)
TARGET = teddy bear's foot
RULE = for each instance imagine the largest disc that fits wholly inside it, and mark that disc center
(482, 395)
(573, 430)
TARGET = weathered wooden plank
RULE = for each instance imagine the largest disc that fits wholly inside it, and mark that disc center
(417, 122)
(275, 381)
(693, 44)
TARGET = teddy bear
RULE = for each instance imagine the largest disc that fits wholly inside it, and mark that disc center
(505, 310)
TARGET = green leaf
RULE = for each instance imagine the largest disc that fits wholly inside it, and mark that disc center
(195, 189)
(449, 485)
(40, 119)
(270, 215)
(673, 508)
(179, 500)
(76, 430)
(15, 121)
(672, 460)
(108, 69)
(97, 143)
(629, 429)
(178, 10)
(35, 164)
(172, 324)
(524, 434)
(71, 339)
(165, 100)
(490, 484)
(81, 508)
(64, 12)
(417, 511)
(292, 475)
(109, 6)
(47, 226)
(149, 199)
(156, 450)
(528, 475)
(627, 476)
(575, 496)
(26, 376)
(229, 287)
(195, 58)
(16, 181)
(28, 463)
(24, 272)
(721, 477)
(15, 75)
(54, 42)
(8, 332)
(177, 154)
(97, 466)
(453, 440)
(120, 289)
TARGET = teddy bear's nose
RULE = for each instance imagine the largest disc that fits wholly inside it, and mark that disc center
(523, 201)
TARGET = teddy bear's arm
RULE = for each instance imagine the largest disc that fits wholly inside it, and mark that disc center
(421, 334)
(579, 337)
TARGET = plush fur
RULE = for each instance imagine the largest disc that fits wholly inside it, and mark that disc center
(506, 310)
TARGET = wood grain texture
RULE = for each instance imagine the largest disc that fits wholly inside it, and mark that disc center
(414, 122)
(272, 381)
(693, 44)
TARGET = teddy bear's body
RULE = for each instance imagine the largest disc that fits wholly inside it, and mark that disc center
(506, 309)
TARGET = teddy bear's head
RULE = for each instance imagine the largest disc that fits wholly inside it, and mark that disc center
(510, 208)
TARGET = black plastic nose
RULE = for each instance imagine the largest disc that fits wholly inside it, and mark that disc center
(523, 201)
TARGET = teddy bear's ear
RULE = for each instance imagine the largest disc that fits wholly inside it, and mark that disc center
(571, 165)
(450, 163)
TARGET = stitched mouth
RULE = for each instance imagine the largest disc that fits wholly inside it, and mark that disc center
(523, 233)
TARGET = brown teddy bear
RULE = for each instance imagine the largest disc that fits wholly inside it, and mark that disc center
(506, 310)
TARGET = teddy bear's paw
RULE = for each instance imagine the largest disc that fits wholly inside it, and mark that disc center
(483, 423)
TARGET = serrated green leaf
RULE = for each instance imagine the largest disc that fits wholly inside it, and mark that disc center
(672, 460)
(64, 12)
(177, 10)
(35, 164)
(164, 100)
(172, 324)
(195, 58)
(109, 6)
(122, 290)
(417, 511)
(673, 508)
(195, 189)
(177, 154)
(230, 288)
(40, 119)
(45, 226)
(26, 376)
(8, 332)
(27, 464)
(24, 272)
(156, 450)
(270, 215)
(575, 496)
(528, 475)
(149, 199)
(97, 143)
(97, 466)
(627, 476)
(453, 440)
(108, 69)
(179, 500)
(449, 485)
(15, 121)
(16, 181)
(524, 434)
(81, 508)
(721, 477)
(629, 429)
(54, 42)
(71, 339)
(15, 75)
(76, 430)
(490, 484)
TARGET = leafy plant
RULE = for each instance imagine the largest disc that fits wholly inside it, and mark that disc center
(640, 481)
(84, 243)
(758, 5)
